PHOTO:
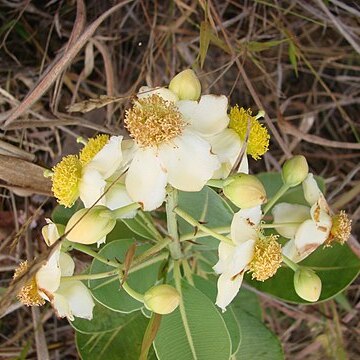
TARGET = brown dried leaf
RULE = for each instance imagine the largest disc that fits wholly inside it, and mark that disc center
(23, 175)
(128, 261)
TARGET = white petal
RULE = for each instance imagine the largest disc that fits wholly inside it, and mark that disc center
(109, 158)
(67, 265)
(50, 232)
(242, 256)
(91, 187)
(208, 116)
(117, 197)
(309, 237)
(146, 179)
(244, 165)
(73, 298)
(244, 223)
(321, 217)
(166, 94)
(286, 213)
(48, 276)
(311, 189)
(225, 252)
(188, 162)
(228, 287)
(226, 145)
(290, 251)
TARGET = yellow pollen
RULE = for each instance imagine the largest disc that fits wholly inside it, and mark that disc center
(65, 180)
(267, 258)
(258, 140)
(28, 294)
(153, 121)
(93, 146)
(340, 230)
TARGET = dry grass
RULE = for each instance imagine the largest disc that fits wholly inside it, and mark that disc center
(297, 60)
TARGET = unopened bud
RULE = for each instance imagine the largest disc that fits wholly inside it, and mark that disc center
(307, 284)
(162, 299)
(88, 226)
(245, 191)
(295, 170)
(52, 232)
(186, 85)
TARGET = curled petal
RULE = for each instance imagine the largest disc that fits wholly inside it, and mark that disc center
(242, 256)
(92, 186)
(244, 223)
(228, 286)
(73, 298)
(146, 179)
(288, 213)
(311, 189)
(226, 145)
(67, 265)
(188, 162)
(208, 116)
(225, 252)
(117, 197)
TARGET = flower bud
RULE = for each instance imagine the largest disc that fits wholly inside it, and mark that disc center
(295, 170)
(186, 85)
(52, 232)
(245, 191)
(162, 299)
(89, 226)
(307, 284)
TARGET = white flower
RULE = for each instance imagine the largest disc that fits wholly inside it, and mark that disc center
(234, 259)
(171, 149)
(316, 222)
(69, 298)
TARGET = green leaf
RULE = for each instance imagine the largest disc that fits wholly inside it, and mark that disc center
(108, 291)
(208, 288)
(122, 342)
(337, 268)
(257, 342)
(248, 301)
(257, 46)
(205, 36)
(195, 330)
(122, 231)
(61, 214)
(208, 207)
(293, 56)
(103, 320)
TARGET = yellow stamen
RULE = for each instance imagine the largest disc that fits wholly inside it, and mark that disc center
(258, 141)
(92, 147)
(267, 258)
(28, 294)
(153, 121)
(340, 230)
(65, 180)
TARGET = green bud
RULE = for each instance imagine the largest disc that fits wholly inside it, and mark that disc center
(92, 225)
(295, 170)
(186, 85)
(162, 299)
(307, 284)
(245, 191)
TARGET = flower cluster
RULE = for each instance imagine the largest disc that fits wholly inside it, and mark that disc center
(180, 140)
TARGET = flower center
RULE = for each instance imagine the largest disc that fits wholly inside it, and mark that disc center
(65, 180)
(28, 294)
(258, 140)
(340, 230)
(153, 121)
(267, 258)
(93, 146)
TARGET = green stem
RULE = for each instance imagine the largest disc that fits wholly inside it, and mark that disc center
(153, 250)
(86, 250)
(118, 213)
(151, 226)
(279, 225)
(284, 188)
(91, 276)
(290, 263)
(134, 294)
(217, 183)
(188, 218)
(171, 203)
(199, 234)
(187, 272)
